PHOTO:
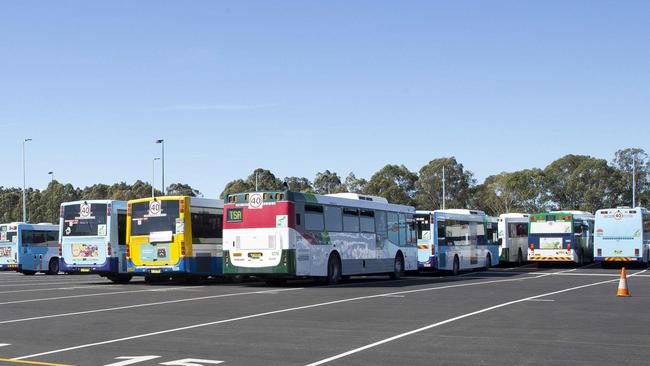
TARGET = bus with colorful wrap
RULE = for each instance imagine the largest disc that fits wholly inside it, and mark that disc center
(513, 238)
(280, 235)
(175, 236)
(29, 248)
(622, 235)
(561, 236)
(93, 238)
(455, 240)
(9, 246)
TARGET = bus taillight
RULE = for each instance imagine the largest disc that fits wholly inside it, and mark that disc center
(181, 207)
(599, 252)
(532, 247)
(108, 210)
(60, 250)
(433, 249)
(128, 210)
(636, 252)
(128, 251)
(568, 247)
(182, 248)
(108, 248)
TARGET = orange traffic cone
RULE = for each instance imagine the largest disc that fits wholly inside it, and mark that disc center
(622, 285)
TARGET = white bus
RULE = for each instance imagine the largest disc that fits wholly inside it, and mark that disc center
(622, 235)
(513, 238)
(561, 236)
(455, 240)
(281, 235)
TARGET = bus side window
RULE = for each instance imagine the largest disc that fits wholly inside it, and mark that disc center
(367, 221)
(411, 231)
(380, 224)
(333, 218)
(402, 229)
(121, 228)
(351, 220)
(440, 228)
(314, 218)
(52, 238)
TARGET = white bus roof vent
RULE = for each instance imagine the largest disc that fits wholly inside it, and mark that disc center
(357, 196)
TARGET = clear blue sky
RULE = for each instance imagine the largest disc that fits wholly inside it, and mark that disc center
(303, 86)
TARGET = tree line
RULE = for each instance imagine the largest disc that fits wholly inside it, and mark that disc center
(576, 182)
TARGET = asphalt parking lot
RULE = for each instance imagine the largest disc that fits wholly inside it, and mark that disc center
(506, 316)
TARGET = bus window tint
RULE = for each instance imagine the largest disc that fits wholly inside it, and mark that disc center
(393, 228)
(441, 231)
(517, 230)
(144, 223)
(314, 218)
(381, 226)
(423, 225)
(367, 221)
(351, 220)
(402, 229)
(121, 228)
(206, 224)
(411, 233)
(76, 224)
(333, 218)
(458, 232)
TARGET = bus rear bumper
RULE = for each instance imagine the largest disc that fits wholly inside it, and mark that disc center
(187, 266)
(111, 266)
(430, 264)
(618, 259)
(286, 268)
(9, 267)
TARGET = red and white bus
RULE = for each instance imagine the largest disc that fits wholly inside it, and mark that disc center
(283, 235)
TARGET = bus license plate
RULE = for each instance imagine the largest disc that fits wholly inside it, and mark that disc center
(255, 255)
(85, 270)
(155, 271)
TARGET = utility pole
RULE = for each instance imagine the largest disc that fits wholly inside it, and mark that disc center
(633, 182)
(53, 202)
(24, 182)
(153, 176)
(444, 195)
(256, 180)
(162, 143)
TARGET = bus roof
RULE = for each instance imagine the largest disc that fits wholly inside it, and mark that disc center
(514, 215)
(455, 213)
(357, 196)
(581, 215)
(115, 203)
(604, 211)
(46, 226)
(194, 201)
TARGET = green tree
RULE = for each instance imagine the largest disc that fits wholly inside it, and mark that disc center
(182, 189)
(580, 182)
(395, 183)
(328, 182)
(458, 184)
(638, 160)
(299, 184)
(236, 186)
(354, 184)
(522, 191)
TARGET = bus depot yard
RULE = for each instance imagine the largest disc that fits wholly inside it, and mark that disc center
(512, 315)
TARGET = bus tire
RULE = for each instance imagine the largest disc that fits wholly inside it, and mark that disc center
(398, 267)
(333, 270)
(581, 258)
(488, 261)
(520, 258)
(28, 272)
(53, 267)
(456, 266)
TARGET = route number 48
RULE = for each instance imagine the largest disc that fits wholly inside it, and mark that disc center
(130, 360)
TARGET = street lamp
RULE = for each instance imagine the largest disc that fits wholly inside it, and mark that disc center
(51, 176)
(24, 182)
(52, 187)
(153, 176)
(162, 143)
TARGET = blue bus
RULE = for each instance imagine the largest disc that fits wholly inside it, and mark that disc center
(29, 248)
(8, 246)
(456, 240)
(622, 235)
(93, 238)
(561, 236)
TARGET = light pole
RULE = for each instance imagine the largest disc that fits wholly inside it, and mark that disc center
(52, 193)
(24, 182)
(153, 176)
(162, 144)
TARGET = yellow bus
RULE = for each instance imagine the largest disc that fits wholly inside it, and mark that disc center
(176, 236)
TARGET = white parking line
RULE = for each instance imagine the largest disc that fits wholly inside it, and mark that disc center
(47, 283)
(434, 325)
(109, 287)
(4, 344)
(273, 292)
(91, 295)
(280, 311)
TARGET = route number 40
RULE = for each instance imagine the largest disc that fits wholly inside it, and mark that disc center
(130, 360)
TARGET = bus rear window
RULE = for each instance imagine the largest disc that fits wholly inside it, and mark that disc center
(154, 216)
(85, 219)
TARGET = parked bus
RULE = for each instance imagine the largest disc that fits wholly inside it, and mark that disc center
(561, 236)
(30, 248)
(93, 238)
(513, 238)
(176, 236)
(285, 235)
(456, 240)
(622, 235)
(8, 246)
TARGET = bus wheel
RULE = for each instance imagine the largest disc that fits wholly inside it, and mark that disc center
(456, 268)
(488, 261)
(398, 268)
(520, 258)
(581, 258)
(333, 270)
(53, 266)
(122, 279)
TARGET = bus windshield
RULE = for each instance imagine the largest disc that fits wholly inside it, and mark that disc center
(154, 216)
(85, 219)
(551, 227)
(423, 223)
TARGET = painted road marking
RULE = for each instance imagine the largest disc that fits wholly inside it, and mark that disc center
(5, 344)
(59, 288)
(90, 295)
(48, 283)
(280, 311)
(450, 320)
(31, 362)
(274, 292)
